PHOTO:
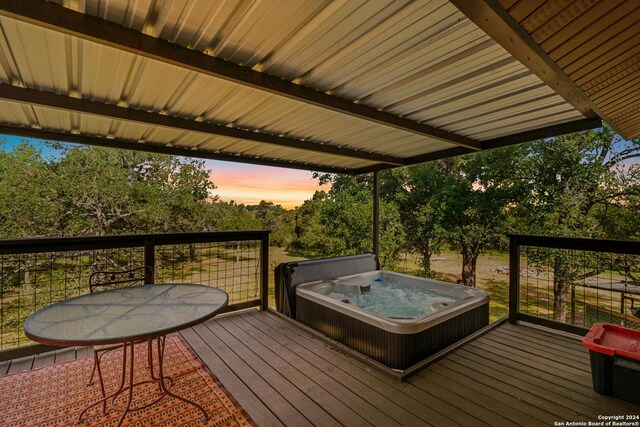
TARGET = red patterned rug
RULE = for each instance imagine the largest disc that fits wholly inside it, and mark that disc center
(56, 394)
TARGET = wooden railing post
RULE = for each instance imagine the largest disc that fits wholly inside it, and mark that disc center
(149, 260)
(264, 260)
(514, 279)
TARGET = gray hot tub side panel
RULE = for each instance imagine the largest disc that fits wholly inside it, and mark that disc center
(291, 274)
(387, 340)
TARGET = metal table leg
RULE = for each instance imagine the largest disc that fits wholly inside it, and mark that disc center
(160, 380)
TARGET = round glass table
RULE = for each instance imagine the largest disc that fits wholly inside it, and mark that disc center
(127, 316)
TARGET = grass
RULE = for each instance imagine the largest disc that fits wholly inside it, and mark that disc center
(238, 273)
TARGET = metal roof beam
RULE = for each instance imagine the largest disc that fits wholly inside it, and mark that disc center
(57, 18)
(531, 135)
(547, 132)
(422, 158)
(48, 99)
(501, 27)
(161, 149)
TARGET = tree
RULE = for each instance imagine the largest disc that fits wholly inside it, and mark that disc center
(470, 206)
(107, 191)
(413, 189)
(234, 217)
(461, 202)
(575, 182)
(278, 220)
(345, 222)
(29, 204)
(308, 230)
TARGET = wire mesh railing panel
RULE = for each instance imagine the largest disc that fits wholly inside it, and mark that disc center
(35, 273)
(579, 286)
(232, 266)
(31, 281)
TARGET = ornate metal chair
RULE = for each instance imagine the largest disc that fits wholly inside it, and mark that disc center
(101, 280)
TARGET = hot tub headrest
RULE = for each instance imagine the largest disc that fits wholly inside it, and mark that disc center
(291, 274)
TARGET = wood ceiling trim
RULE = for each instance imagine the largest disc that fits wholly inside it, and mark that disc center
(568, 33)
(633, 125)
(618, 102)
(622, 88)
(48, 15)
(612, 74)
(48, 99)
(49, 135)
(600, 56)
(618, 106)
(564, 15)
(500, 26)
(542, 17)
(575, 46)
(522, 9)
(627, 114)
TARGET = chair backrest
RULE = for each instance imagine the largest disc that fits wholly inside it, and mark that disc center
(108, 279)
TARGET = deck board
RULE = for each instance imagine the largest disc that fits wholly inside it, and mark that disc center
(559, 349)
(4, 367)
(330, 394)
(428, 403)
(514, 375)
(353, 373)
(65, 355)
(319, 406)
(20, 365)
(248, 370)
(231, 381)
(283, 375)
(348, 385)
(44, 359)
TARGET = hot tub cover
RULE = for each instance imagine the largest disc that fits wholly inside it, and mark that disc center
(291, 274)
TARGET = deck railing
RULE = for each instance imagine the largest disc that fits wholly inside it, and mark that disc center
(35, 273)
(570, 284)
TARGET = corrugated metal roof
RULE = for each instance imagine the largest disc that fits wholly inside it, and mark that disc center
(597, 44)
(420, 60)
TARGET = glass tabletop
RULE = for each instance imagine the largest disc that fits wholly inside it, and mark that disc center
(125, 314)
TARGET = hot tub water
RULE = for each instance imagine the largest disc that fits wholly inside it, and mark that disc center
(390, 298)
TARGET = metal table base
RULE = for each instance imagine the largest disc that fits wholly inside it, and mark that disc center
(158, 379)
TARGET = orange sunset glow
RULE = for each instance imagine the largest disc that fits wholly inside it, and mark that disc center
(249, 184)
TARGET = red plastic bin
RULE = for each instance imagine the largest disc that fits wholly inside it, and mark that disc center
(615, 360)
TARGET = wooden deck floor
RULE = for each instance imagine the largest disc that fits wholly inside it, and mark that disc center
(283, 375)
(511, 376)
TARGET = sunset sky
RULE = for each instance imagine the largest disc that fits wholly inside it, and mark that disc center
(243, 183)
(249, 184)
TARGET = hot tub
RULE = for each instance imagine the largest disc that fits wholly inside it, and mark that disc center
(393, 318)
